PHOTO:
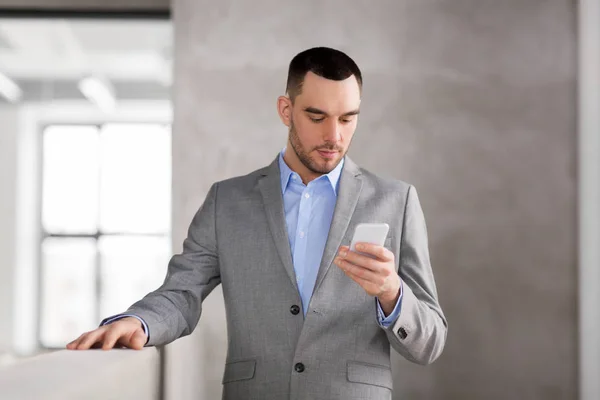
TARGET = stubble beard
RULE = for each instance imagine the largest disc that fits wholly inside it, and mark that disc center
(306, 159)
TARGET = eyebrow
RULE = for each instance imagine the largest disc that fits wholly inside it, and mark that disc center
(313, 110)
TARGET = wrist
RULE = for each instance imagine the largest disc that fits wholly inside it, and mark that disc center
(388, 300)
(391, 298)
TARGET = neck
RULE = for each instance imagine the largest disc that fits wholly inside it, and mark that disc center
(291, 159)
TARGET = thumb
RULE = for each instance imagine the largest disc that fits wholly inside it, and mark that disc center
(138, 340)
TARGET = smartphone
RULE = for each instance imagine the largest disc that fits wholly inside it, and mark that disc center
(374, 233)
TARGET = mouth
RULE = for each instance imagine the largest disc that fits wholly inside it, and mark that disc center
(327, 153)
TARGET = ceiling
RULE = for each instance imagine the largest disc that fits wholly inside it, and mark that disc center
(47, 57)
(117, 6)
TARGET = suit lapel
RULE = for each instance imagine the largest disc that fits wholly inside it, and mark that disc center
(349, 191)
(270, 189)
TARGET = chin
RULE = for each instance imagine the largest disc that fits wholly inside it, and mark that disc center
(327, 166)
(324, 165)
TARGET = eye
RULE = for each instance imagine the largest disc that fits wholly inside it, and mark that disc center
(316, 120)
(345, 121)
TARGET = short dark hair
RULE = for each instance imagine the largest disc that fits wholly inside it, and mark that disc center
(322, 61)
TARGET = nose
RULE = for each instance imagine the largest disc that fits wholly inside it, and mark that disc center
(332, 132)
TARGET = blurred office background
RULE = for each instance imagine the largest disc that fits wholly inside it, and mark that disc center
(116, 117)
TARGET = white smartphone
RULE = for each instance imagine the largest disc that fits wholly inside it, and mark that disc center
(374, 233)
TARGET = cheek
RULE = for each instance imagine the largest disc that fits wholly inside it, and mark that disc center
(307, 132)
(348, 132)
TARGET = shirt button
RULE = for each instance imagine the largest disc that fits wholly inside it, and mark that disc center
(307, 195)
(299, 367)
(301, 234)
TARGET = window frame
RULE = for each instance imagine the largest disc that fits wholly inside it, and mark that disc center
(96, 236)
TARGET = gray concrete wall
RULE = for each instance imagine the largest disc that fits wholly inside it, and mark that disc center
(471, 101)
(110, 5)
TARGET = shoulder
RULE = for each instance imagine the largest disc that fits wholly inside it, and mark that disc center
(242, 183)
(383, 184)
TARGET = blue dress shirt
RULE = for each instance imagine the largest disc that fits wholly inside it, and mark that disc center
(308, 214)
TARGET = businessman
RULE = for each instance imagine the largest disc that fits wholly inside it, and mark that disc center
(307, 318)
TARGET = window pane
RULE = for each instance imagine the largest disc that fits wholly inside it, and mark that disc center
(136, 178)
(130, 268)
(68, 290)
(70, 176)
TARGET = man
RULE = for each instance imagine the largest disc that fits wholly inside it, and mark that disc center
(299, 329)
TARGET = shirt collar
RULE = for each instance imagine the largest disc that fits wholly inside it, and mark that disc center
(286, 173)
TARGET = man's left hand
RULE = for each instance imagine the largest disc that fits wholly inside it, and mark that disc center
(376, 275)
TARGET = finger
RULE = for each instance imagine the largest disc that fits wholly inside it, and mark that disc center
(360, 272)
(362, 282)
(377, 251)
(369, 287)
(90, 338)
(138, 340)
(73, 345)
(110, 338)
(364, 261)
(373, 289)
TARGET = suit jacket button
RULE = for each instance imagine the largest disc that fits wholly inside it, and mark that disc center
(402, 332)
(299, 367)
(295, 309)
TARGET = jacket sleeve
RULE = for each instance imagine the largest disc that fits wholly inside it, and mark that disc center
(419, 333)
(173, 310)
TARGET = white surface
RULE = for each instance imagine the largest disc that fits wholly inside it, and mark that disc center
(70, 172)
(68, 280)
(135, 178)
(8, 143)
(9, 89)
(589, 199)
(90, 375)
(27, 243)
(70, 49)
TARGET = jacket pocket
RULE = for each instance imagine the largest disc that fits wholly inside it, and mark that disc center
(239, 370)
(370, 374)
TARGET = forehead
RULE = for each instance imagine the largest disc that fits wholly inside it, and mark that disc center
(333, 97)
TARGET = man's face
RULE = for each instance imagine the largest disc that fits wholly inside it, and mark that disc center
(323, 121)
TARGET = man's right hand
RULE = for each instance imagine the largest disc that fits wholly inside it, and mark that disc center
(126, 332)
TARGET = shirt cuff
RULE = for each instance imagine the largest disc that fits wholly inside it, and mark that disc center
(121, 316)
(384, 321)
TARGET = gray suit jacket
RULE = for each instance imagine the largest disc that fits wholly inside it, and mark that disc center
(239, 238)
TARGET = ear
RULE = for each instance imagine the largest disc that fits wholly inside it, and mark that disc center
(284, 109)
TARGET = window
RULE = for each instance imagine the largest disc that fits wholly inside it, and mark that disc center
(106, 216)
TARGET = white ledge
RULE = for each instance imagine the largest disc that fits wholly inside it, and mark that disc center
(90, 375)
